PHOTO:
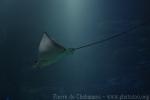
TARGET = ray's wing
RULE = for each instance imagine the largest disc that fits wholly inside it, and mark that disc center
(47, 44)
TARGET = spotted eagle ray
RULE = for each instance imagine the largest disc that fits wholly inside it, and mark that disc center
(49, 51)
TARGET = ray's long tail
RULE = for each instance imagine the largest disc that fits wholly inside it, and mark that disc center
(112, 37)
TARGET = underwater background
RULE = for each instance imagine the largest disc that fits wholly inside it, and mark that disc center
(118, 66)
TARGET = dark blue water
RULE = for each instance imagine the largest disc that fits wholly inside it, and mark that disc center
(118, 66)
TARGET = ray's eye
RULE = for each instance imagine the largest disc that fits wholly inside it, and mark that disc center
(35, 61)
